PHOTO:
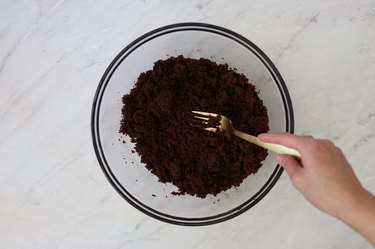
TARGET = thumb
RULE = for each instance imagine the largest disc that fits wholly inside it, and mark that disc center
(290, 164)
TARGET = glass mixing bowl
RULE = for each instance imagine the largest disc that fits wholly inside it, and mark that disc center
(122, 166)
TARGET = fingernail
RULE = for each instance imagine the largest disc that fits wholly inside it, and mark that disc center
(261, 135)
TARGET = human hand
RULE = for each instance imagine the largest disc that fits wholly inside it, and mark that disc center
(323, 175)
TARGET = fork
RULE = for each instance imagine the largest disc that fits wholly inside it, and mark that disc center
(225, 125)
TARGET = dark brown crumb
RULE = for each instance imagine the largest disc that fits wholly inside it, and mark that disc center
(214, 121)
(157, 117)
(153, 195)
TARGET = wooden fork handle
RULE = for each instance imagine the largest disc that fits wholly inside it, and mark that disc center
(277, 148)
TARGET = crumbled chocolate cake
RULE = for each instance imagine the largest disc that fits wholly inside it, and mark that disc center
(157, 116)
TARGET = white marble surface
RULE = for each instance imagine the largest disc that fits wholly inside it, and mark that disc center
(52, 55)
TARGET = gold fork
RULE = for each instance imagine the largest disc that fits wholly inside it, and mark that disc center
(225, 124)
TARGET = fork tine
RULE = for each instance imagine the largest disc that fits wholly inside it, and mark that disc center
(205, 113)
(211, 129)
(201, 118)
(202, 122)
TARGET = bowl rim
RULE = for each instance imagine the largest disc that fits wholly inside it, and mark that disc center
(177, 27)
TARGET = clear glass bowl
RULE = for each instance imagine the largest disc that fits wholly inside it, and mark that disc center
(123, 168)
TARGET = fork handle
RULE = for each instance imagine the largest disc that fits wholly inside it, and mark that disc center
(277, 148)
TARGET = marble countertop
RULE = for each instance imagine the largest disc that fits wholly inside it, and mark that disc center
(53, 193)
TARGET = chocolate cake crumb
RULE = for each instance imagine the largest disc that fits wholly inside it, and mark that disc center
(214, 121)
(157, 117)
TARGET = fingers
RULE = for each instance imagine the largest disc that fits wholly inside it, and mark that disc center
(290, 164)
(287, 139)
